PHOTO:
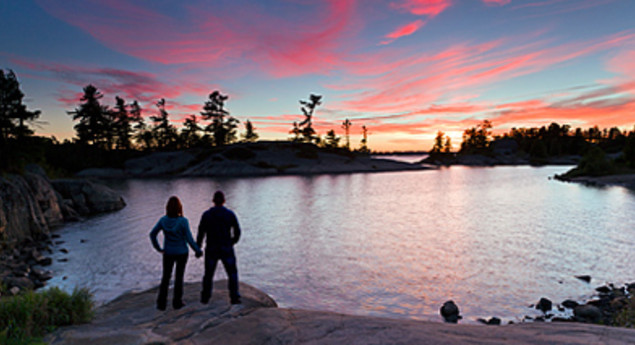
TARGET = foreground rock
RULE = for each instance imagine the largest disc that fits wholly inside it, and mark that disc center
(132, 319)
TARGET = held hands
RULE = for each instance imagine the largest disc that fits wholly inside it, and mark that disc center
(199, 254)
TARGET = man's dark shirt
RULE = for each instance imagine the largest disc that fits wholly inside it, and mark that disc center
(217, 223)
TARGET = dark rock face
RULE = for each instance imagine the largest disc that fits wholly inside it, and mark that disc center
(544, 305)
(20, 213)
(587, 313)
(450, 312)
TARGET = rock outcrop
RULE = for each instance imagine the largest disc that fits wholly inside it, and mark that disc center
(133, 319)
(31, 204)
(87, 197)
(252, 159)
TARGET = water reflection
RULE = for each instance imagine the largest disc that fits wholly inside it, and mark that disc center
(391, 244)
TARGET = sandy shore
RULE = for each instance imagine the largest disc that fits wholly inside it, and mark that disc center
(133, 319)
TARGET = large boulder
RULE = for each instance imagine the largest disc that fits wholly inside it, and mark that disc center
(20, 213)
(46, 198)
(87, 197)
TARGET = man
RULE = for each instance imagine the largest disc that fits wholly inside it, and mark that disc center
(217, 224)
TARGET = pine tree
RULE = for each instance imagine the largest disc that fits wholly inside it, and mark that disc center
(93, 119)
(222, 126)
(308, 109)
(190, 132)
(250, 132)
(346, 125)
(163, 130)
(13, 113)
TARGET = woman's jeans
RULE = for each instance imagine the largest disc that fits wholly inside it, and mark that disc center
(169, 261)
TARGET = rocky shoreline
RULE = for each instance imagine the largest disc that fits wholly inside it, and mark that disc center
(449, 159)
(31, 206)
(133, 319)
(622, 180)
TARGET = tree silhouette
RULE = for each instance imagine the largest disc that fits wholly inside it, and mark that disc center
(13, 113)
(122, 124)
(331, 141)
(346, 125)
(438, 143)
(222, 126)
(163, 130)
(250, 132)
(296, 131)
(447, 147)
(93, 118)
(364, 141)
(190, 132)
(476, 139)
(308, 109)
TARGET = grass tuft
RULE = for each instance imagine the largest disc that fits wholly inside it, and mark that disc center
(27, 317)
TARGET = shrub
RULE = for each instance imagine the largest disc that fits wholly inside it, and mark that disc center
(25, 317)
(626, 317)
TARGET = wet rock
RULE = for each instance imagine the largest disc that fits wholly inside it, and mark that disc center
(570, 304)
(587, 313)
(57, 243)
(603, 289)
(544, 305)
(45, 261)
(492, 321)
(450, 312)
(23, 283)
(584, 278)
(63, 260)
(55, 236)
(561, 319)
(64, 250)
(41, 275)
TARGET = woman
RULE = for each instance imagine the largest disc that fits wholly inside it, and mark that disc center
(176, 237)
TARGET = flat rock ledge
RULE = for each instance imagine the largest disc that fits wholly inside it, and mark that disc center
(133, 319)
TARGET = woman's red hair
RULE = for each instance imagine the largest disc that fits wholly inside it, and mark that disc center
(174, 208)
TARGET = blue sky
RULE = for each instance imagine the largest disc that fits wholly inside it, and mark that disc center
(405, 68)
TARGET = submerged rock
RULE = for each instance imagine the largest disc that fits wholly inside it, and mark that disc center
(584, 278)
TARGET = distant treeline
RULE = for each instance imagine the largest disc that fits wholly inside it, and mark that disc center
(107, 136)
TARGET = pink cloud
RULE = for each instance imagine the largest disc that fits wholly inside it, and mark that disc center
(430, 8)
(424, 79)
(209, 36)
(405, 30)
(497, 2)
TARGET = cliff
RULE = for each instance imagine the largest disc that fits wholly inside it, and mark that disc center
(133, 319)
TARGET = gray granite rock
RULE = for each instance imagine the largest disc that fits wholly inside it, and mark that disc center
(133, 319)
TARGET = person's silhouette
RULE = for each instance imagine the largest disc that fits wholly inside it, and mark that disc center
(176, 237)
(217, 224)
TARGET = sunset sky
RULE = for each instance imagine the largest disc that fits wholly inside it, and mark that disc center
(403, 68)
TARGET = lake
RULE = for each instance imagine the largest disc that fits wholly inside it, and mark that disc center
(494, 240)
